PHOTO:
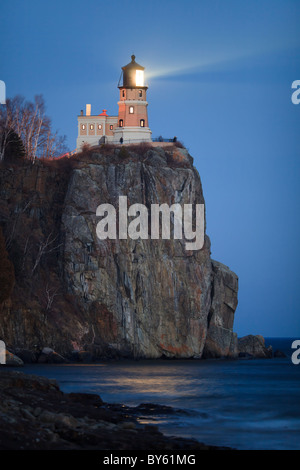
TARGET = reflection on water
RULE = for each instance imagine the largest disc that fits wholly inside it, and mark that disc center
(243, 404)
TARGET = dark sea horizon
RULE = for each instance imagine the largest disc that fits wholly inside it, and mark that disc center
(246, 404)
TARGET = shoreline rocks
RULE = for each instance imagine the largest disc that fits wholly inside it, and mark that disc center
(49, 356)
(13, 360)
(36, 415)
(246, 347)
(253, 346)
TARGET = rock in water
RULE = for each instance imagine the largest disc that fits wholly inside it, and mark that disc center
(139, 298)
(279, 353)
(254, 346)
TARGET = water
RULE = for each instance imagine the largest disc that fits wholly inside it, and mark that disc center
(245, 404)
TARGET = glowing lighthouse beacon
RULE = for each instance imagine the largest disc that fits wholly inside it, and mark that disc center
(133, 123)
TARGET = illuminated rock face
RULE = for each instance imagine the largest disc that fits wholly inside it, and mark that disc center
(134, 298)
(146, 298)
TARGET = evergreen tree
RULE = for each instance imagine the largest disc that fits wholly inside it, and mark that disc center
(14, 151)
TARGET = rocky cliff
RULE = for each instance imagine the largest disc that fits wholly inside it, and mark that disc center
(134, 298)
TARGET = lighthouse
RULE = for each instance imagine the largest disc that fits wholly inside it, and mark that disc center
(131, 125)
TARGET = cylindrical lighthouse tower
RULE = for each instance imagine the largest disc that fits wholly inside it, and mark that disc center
(133, 126)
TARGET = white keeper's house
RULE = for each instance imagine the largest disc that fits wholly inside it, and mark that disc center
(131, 125)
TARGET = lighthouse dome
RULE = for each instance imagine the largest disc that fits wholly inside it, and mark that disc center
(133, 74)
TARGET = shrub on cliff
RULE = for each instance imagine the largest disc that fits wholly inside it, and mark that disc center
(140, 149)
(124, 153)
(7, 273)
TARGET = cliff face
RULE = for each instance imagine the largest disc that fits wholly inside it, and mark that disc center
(220, 339)
(141, 298)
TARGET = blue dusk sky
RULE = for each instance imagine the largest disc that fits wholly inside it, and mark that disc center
(219, 76)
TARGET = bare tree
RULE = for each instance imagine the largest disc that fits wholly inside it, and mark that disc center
(45, 247)
(25, 251)
(30, 122)
(12, 226)
(50, 294)
(6, 136)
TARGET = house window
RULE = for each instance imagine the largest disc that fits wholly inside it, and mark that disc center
(123, 93)
(121, 123)
(131, 110)
(99, 127)
(91, 127)
(142, 122)
(140, 93)
(111, 127)
(83, 127)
